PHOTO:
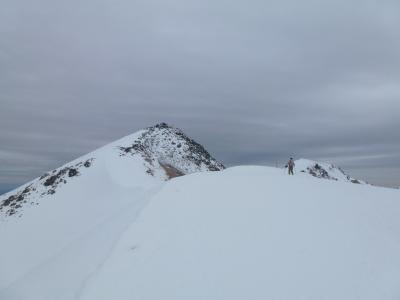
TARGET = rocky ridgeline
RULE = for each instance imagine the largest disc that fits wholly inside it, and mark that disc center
(166, 153)
(47, 184)
(328, 171)
(168, 147)
(317, 171)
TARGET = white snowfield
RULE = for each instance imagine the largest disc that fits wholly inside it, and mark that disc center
(46, 235)
(120, 231)
(53, 236)
(254, 233)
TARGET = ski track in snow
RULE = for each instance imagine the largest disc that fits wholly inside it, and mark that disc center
(45, 228)
(104, 236)
(280, 237)
(90, 267)
(120, 231)
(117, 237)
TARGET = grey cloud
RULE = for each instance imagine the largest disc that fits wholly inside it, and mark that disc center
(253, 81)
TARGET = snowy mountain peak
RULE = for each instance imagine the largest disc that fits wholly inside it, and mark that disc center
(144, 158)
(324, 170)
(110, 225)
(166, 147)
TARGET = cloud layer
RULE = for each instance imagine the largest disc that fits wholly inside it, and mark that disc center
(253, 81)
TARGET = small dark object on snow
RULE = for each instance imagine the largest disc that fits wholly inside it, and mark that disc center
(72, 172)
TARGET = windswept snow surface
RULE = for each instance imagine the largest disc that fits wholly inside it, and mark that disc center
(92, 201)
(58, 229)
(255, 233)
(115, 228)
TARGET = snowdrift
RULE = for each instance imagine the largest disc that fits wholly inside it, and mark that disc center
(254, 233)
(61, 215)
(122, 223)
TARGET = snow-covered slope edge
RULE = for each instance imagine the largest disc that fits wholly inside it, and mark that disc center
(324, 170)
(164, 151)
(47, 220)
(255, 233)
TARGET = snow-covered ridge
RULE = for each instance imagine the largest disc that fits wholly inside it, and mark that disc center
(119, 229)
(324, 170)
(45, 185)
(162, 151)
(240, 238)
(77, 211)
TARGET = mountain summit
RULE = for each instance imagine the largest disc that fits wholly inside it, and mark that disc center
(160, 151)
(103, 189)
(168, 148)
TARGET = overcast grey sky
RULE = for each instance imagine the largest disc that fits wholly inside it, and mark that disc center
(253, 81)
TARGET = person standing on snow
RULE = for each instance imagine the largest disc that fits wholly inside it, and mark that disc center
(290, 166)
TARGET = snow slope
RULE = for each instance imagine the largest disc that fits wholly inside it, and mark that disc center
(117, 228)
(75, 213)
(255, 233)
(324, 170)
